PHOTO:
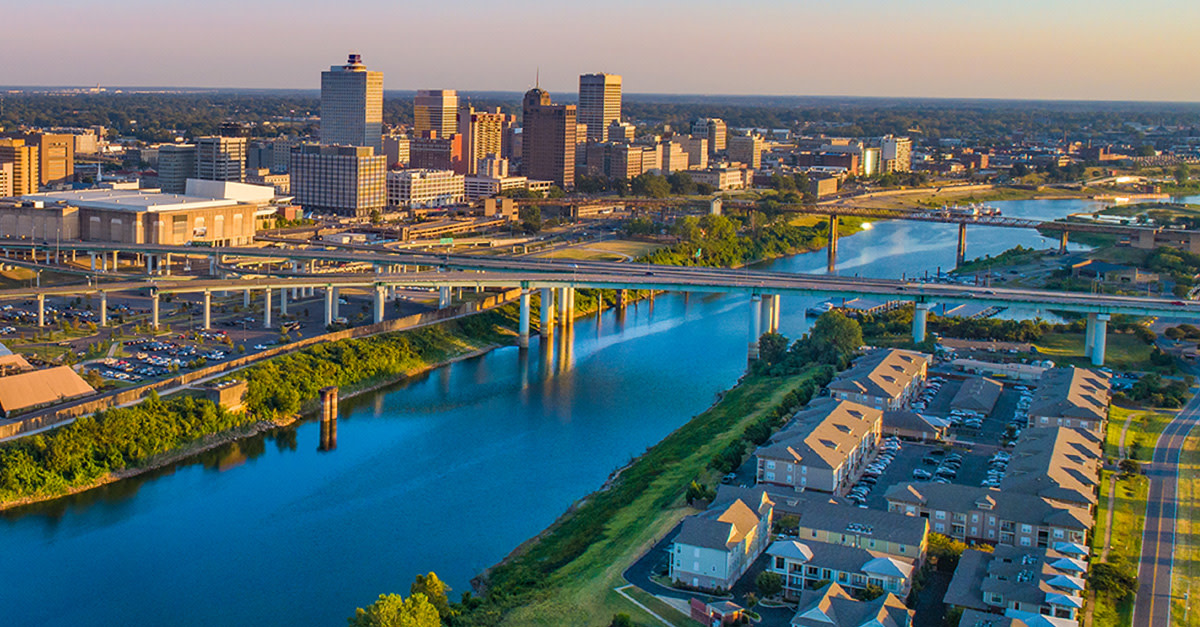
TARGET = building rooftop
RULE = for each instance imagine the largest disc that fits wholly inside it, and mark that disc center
(719, 528)
(1014, 506)
(1072, 393)
(1058, 463)
(820, 513)
(884, 373)
(127, 200)
(977, 394)
(1032, 577)
(41, 387)
(832, 606)
(823, 434)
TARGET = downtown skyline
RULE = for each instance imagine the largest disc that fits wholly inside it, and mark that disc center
(1102, 50)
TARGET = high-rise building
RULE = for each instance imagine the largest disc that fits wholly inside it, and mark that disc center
(548, 137)
(56, 156)
(352, 105)
(599, 103)
(340, 180)
(221, 159)
(713, 129)
(24, 160)
(483, 134)
(436, 110)
(896, 153)
(176, 164)
(746, 149)
(397, 150)
(697, 150)
(6, 177)
(432, 152)
(619, 131)
(674, 157)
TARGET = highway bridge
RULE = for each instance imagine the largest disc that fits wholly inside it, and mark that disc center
(557, 279)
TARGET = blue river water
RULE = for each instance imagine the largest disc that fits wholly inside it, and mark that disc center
(446, 472)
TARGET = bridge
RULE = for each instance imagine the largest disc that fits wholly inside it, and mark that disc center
(556, 280)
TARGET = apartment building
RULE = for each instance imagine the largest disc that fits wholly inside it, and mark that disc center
(747, 149)
(822, 447)
(713, 549)
(1071, 397)
(833, 606)
(425, 188)
(820, 519)
(883, 379)
(803, 564)
(1043, 582)
(24, 161)
(1058, 464)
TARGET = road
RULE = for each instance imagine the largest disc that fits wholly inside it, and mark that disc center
(1152, 606)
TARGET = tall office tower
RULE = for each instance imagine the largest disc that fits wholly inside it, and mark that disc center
(619, 131)
(697, 150)
(56, 156)
(340, 180)
(483, 134)
(599, 103)
(548, 138)
(712, 128)
(674, 157)
(430, 152)
(397, 151)
(176, 164)
(746, 149)
(896, 153)
(352, 105)
(436, 110)
(6, 176)
(221, 159)
(24, 160)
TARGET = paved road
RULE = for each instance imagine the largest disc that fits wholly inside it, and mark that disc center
(1153, 604)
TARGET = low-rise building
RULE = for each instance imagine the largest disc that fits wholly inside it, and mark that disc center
(883, 379)
(822, 520)
(425, 188)
(713, 549)
(832, 606)
(1041, 581)
(822, 447)
(977, 396)
(978, 514)
(1058, 464)
(1071, 397)
(724, 178)
(910, 425)
(802, 564)
(38, 388)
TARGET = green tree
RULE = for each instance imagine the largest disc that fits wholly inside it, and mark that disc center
(1113, 579)
(435, 590)
(1182, 174)
(392, 610)
(945, 550)
(531, 218)
(768, 583)
(681, 183)
(772, 348)
(652, 185)
(834, 336)
(621, 620)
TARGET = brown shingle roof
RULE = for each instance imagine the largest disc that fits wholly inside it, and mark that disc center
(41, 387)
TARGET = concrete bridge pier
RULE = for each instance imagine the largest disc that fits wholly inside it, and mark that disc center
(776, 306)
(41, 300)
(755, 327)
(154, 309)
(337, 302)
(116, 260)
(329, 414)
(443, 297)
(245, 298)
(267, 308)
(166, 269)
(523, 329)
(207, 310)
(1062, 243)
(831, 266)
(212, 266)
(380, 293)
(329, 302)
(1089, 335)
(1099, 339)
(961, 257)
(283, 301)
(920, 316)
(547, 324)
(92, 255)
(103, 309)
(103, 263)
(622, 298)
(148, 262)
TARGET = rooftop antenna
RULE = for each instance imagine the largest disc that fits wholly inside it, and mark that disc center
(537, 78)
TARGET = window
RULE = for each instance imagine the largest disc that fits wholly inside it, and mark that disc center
(939, 527)
(1026, 528)
(770, 476)
(1024, 540)
(779, 563)
(771, 464)
(939, 515)
(1058, 533)
(974, 518)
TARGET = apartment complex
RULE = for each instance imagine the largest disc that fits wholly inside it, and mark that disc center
(24, 161)
(339, 180)
(822, 446)
(820, 519)
(424, 188)
(895, 154)
(832, 606)
(435, 110)
(1071, 397)
(713, 549)
(803, 564)
(352, 105)
(883, 379)
(484, 134)
(599, 103)
(548, 138)
(1059, 464)
(1044, 582)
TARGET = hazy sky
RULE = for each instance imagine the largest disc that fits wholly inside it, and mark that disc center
(1057, 49)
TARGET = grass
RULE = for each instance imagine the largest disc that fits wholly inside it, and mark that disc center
(644, 505)
(674, 616)
(613, 250)
(1129, 516)
(1123, 351)
(1187, 538)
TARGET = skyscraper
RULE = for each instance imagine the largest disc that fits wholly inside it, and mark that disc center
(56, 156)
(712, 129)
(483, 134)
(352, 105)
(342, 180)
(599, 103)
(176, 164)
(548, 137)
(24, 160)
(435, 110)
(221, 159)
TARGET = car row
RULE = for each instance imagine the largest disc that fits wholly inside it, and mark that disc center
(997, 467)
(871, 473)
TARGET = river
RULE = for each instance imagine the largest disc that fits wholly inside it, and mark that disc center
(447, 472)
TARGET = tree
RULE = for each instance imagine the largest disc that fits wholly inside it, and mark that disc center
(531, 218)
(697, 491)
(621, 620)
(768, 583)
(435, 590)
(652, 185)
(945, 550)
(870, 593)
(1182, 174)
(835, 336)
(1113, 579)
(682, 183)
(772, 348)
(392, 610)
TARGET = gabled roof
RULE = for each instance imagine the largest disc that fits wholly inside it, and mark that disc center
(884, 373)
(1015, 506)
(832, 606)
(41, 387)
(977, 394)
(820, 513)
(1070, 392)
(720, 528)
(1058, 463)
(822, 435)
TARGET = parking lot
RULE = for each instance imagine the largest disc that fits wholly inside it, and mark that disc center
(912, 456)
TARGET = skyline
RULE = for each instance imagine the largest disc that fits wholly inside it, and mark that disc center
(1104, 50)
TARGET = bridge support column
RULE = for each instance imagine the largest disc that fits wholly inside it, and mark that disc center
(1099, 338)
(116, 261)
(41, 310)
(755, 327)
(1089, 335)
(245, 298)
(380, 293)
(622, 297)
(833, 244)
(443, 297)
(283, 301)
(93, 256)
(920, 316)
(103, 262)
(207, 310)
(1062, 243)
(329, 415)
(776, 301)
(267, 308)
(148, 262)
(166, 269)
(962, 245)
(547, 325)
(337, 302)
(563, 320)
(103, 309)
(523, 330)
(212, 266)
(329, 300)
(154, 309)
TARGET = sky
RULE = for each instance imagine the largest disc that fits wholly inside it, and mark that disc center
(1036, 49)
